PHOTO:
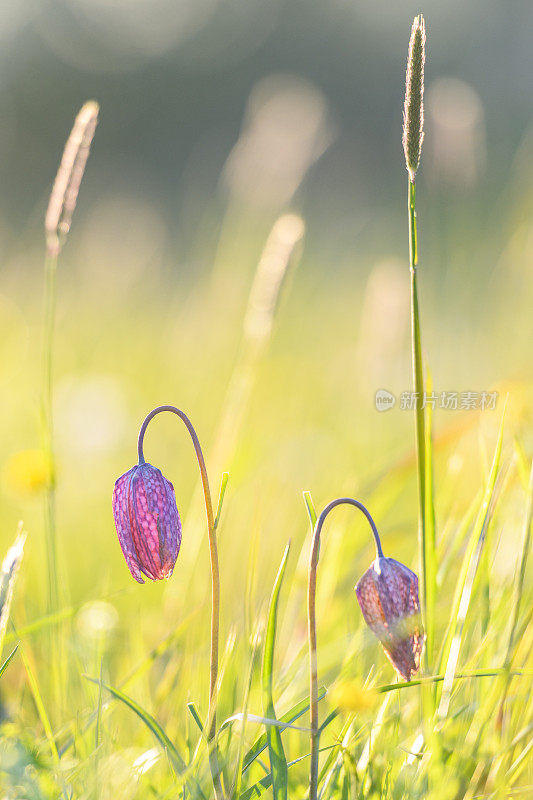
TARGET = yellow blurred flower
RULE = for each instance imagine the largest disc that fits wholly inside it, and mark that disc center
(352, 696)
(27, 471)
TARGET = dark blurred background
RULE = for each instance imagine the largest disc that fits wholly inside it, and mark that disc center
(174, 79)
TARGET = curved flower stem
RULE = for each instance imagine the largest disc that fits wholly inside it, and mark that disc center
(311, 617)
(215, 585)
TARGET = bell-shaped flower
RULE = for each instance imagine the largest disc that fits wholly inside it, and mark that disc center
(388, 596)
(147, 522)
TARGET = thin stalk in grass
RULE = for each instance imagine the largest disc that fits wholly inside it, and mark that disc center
(311, 617)
(413, 135)
(43, 716)
(278, 761)
(518, 596)
(215, 584)
(58, 220)
(50, 268)
(235, 791)
(465, 583)
(430, 553)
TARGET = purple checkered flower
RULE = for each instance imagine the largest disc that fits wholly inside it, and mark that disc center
(147, 522)
(388, 596)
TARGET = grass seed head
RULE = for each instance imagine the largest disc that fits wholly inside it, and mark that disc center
(413, 112)
(66, 186)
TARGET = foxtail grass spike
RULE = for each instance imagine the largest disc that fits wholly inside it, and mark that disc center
(413, 112)
(64, 193)
(61, 206)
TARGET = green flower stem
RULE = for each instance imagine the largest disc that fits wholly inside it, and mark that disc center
(311, 621)
(215, 588)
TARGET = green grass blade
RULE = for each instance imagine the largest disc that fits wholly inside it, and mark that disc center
(8, 577)
(308, 500)
(8, 659)
(258, 788)
(43, 716)
(237, 780)
(515, 634)
(311, 511)
(223, 485)
(519, 591)
(453, 551)
(474, 542)
(141, 669)
(196, 716)
(177, 761)
(473, 673)
(333, 762)
(466, 580)
(150, 722)
(278, 762)
(430, 544)
(41, 709)
(241, 716)
(460, 620)
(291, 716)
(42, 623)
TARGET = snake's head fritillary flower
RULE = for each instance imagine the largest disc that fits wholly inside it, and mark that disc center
(147, 522)
(388, 596)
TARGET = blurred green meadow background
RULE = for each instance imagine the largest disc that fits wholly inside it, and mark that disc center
(239, 250)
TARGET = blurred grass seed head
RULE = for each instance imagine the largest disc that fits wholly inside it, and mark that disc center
(413, 113)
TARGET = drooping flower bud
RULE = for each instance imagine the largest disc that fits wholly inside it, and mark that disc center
(147, 522)
(388, 596)
(413, 112)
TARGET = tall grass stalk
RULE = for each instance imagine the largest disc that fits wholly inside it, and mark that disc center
(413, 135)
(58, 220)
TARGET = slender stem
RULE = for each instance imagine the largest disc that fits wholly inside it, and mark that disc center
(57, 662)
(215, 585)
(518, 594)
(50, 268)
(418, 380)
(311, 617)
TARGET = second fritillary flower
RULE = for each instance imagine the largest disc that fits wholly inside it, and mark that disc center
(388, 596)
